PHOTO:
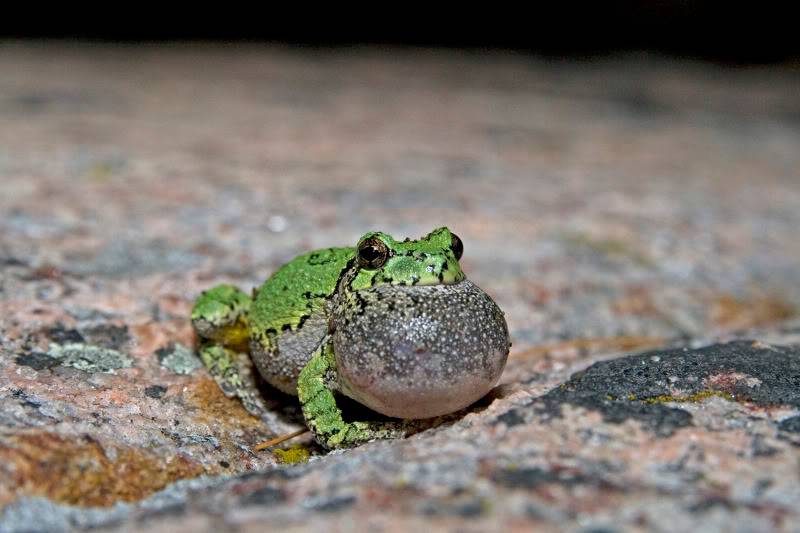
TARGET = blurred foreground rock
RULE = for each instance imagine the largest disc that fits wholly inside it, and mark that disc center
(611, 208)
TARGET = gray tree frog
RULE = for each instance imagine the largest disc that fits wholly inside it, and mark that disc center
(394, 325)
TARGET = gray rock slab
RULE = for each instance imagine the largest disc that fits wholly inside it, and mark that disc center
(636, 219)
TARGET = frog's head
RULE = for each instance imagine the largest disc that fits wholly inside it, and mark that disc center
(431, 260)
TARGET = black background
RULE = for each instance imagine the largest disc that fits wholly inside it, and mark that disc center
(753, 33)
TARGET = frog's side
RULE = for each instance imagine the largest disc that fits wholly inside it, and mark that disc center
(394, 325)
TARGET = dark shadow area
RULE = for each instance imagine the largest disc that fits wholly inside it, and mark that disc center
(284, 405)
(720, 32)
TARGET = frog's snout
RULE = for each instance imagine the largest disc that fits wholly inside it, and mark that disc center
(420, 352)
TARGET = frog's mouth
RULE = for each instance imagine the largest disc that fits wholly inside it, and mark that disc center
(405, 271)
(421, 351)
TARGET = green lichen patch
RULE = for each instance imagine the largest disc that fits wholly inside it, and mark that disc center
(89, 358)
(178, 358)
(691, 398)
(294, 455)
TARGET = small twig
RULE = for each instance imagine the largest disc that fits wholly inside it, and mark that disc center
(277, 440)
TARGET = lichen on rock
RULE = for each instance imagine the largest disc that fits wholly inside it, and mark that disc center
(89, 358)
(178, 358)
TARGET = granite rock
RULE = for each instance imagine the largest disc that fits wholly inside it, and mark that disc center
(635, 218)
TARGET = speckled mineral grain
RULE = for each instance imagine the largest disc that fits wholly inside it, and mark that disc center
(635, 220)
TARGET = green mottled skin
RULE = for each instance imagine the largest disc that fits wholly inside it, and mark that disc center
(301, 286)
(323, 416)
(297, 290)
(227, 321)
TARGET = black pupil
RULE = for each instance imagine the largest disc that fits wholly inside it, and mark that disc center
(370, 253)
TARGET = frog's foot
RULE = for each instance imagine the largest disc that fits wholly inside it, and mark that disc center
(220, 319)
(220, 316)
(224, 365)
(323, 416)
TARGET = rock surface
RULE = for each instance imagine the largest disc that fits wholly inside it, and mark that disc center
(610, 208)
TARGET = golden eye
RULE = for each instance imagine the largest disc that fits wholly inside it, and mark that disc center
(372, 253)
(457, 246)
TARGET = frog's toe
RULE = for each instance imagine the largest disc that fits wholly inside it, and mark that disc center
(220, 315)
(225, 367)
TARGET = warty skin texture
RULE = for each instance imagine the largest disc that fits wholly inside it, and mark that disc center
(392, 324)
(419, 352)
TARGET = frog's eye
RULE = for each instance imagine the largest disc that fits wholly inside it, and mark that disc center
(372, 253)
(456, 245)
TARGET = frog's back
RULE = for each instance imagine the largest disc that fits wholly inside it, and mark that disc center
(286, 299)
(287, 318)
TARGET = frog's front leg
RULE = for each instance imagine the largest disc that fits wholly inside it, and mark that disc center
(324, 418)
(219, 317)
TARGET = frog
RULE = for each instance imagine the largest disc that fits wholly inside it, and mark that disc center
(391, 325)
